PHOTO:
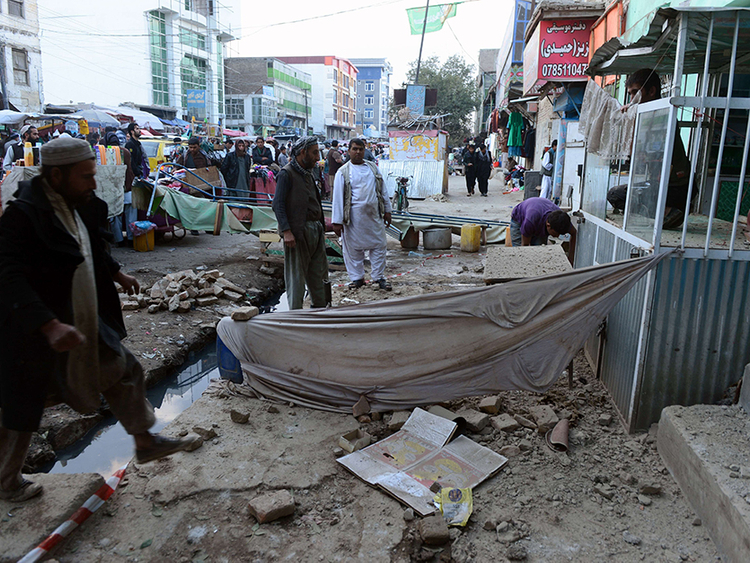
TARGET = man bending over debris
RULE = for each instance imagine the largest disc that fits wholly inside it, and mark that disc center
(60, 319)
(302, 225)
(361, 211)
(536, 218)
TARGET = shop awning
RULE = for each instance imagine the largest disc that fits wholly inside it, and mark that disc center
(651, 42)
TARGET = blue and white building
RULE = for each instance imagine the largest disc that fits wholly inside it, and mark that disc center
(373, 93)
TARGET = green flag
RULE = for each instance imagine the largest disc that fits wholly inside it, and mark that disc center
(436, 17)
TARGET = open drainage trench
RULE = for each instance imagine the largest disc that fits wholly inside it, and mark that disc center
(107, 447)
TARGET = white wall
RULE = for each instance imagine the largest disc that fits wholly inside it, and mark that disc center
(321, 102)
(22, 34)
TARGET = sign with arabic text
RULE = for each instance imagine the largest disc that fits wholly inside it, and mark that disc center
(196, 98)
(558, 51)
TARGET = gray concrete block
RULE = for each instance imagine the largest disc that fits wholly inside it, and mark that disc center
(37, 518)
(511, 263)
(699, 446)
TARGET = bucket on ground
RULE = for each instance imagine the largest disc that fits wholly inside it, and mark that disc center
(143, 235)
(437, 238)
(229, 365)
(471, 235)
(410, 239)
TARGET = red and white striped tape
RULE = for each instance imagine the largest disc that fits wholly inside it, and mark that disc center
(407, 271)
(93, 504)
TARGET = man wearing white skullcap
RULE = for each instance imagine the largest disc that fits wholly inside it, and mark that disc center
(60, 318)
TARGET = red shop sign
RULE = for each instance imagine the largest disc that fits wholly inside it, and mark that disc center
(564, 49)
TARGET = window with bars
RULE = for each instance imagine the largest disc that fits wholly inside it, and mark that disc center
(369, 86)
(20, 67)
(157, 28)
(369, 114)
(192, 76)
(369, 100)
(15, 8)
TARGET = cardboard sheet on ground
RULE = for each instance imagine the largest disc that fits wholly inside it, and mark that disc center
(413, 351)
(407, 463)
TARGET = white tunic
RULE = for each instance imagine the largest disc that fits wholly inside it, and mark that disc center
(366, 229)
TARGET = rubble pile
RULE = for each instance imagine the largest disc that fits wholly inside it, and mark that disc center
(182, 291)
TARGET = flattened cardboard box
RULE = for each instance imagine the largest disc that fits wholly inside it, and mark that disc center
(409, 462)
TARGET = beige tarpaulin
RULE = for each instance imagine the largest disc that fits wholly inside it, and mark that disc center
(415, 351)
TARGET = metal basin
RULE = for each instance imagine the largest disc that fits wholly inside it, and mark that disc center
(437, 239)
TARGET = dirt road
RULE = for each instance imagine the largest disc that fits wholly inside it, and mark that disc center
(609, 498)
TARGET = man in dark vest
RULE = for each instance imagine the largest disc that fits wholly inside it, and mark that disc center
(302, 224)
(13, 152)
(60, 320)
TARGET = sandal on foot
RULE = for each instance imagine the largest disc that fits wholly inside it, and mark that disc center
(163, 447)
(27, 490)
(383, 284)
(356, 284)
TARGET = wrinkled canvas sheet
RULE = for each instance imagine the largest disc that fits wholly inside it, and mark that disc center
(607, 130)
(414, 351)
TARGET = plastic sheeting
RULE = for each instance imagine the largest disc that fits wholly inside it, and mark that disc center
(402, 353)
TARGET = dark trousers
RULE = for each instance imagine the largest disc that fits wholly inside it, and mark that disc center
(483, 182)
(471, 179)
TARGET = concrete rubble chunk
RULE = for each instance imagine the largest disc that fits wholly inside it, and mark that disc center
(238, 417)
(644, 500)
(157, 292)
(510, 451)
(174, 303)
(205, 433)
(475, 420)
(130, 306)
(217, 290)
(525, 445)
(545, 417)
(525, 422)
(192, 292)
(504, 423)
(232, 296)
(244, 313)
(650, 489)
(604, 419)
(183, 307)
(229, 286)
(516, 553)
(398, 419)
(434, 530)
(172, 289)
(183, 295)
(631, 538)
(490, 405)
(206, 291)
(271, 506)
(153, 309)
(205, 301)
(604, 490)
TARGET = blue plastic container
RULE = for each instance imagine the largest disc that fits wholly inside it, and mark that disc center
(229, 365)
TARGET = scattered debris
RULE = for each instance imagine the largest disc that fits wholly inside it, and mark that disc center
(354, 440)
(434, 530)
(238, 417)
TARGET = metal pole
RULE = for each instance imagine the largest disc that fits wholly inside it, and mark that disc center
(421, 43)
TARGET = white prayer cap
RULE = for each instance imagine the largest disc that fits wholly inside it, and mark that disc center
(66, 150)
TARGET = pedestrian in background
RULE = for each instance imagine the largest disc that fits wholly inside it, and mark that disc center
(483, 165)
(236, 171)
(469, 168)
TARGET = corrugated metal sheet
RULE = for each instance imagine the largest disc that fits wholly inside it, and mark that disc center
(585, 243)
(427, 176)
(699, 340)
(623, 332)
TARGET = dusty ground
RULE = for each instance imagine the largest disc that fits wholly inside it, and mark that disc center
(544, 506)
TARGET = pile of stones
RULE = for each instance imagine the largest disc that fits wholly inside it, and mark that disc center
(182, 291)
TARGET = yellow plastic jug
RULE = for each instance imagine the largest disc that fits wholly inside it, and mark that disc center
(470, 237)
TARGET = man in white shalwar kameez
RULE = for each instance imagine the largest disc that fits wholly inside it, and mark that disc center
(548, 169)
(361, 212)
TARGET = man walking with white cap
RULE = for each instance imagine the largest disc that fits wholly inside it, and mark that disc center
(60, 319)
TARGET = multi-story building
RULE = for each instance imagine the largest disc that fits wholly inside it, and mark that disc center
(334, 94)
(166, 56)
(20, 56)
(486, 80)
(267, 95)
(373, 93)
